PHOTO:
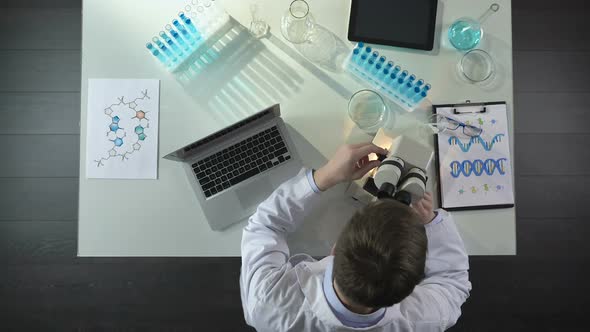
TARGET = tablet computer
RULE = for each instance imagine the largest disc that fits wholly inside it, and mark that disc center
(404, 23)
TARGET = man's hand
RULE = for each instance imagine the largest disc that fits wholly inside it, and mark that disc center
(424, 208)
(350, 162)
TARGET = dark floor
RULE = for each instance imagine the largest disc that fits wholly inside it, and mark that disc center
(43, 286)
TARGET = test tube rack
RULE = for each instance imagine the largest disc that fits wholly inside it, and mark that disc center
(396, 84)
(188, 43)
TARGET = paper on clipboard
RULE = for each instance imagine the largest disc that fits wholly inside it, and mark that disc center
(475, 172)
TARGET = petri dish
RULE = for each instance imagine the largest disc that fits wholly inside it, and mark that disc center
(476, 66)
(367, 109)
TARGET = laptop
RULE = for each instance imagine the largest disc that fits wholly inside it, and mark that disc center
(233, 170)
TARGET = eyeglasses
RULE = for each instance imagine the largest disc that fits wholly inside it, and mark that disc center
(444, 122)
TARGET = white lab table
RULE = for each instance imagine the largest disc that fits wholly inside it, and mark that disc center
(162, 217)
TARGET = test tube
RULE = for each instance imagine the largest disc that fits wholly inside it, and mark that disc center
(164, 49)
(383, 74)
(183, 31)
(412, 92)
(187, 21)
(403, 75)
(418, 97)
(426, 88)
(405, 87)
(355, 54)
(419, 83)
(177, 37)
(362, 59)
(381, 61)
(389, 65)
(369, 65)
(397, 83)
(389, 79)
(411, 79)
(376, 69)
(360, 45)
(157, 54)
(171, 43)
(396, 70)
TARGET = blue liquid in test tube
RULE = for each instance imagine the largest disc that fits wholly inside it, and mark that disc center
(411, 79)
(183, 31)
(369, 65)
(426, 88)
(397, 83)
(360, 45)
(157, 53)
(355, 54)
(396, 70)
(419, 83)
(389, 66)
(417, 98)
(403, 75)
(383, 75)
(362, 59)
(376, 69)
(381, 61)
(389, 79)
(405, 87)
(171, 43)
(179, 39)
(412, 92)
(187, 21)
(164, 49)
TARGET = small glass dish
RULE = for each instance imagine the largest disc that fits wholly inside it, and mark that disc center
(476, 66)
(367, 109)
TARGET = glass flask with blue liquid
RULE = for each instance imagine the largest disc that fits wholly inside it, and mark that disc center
(466, 33)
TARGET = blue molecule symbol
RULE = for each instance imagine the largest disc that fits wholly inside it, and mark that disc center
(118, 142)
(139, 130)
(116, 119)
(114, 126)
(141, 136)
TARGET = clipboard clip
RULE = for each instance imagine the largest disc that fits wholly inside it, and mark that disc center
(468, 103)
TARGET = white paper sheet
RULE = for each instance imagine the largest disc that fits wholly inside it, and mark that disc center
(122, 129)
(478, 171)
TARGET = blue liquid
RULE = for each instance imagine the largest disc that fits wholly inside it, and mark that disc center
(384, 74)
(389, 78)
(157, 53)
(376, 69)
(419, 83)
(397, 83)
(417, 98)
(361, 61)
(179, 40)
(411, 79)
(164, 49)
(360, 45)
(355, 54)
(412, 92)
(183, 31)
(404, 88)
(171, 43)
(403, 75)
(370, 63)
(382, 61)
(426, 88)
(389, 65)
(465, 34)
(395, 71)
(187, 21)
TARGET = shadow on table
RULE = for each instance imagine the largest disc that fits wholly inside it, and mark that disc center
(237, 75)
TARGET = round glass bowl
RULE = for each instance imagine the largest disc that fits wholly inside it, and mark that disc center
(476, 66)
(367, 109)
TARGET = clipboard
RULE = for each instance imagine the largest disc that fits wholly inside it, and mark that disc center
(474, 173)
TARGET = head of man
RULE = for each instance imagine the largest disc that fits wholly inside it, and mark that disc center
(379, 257)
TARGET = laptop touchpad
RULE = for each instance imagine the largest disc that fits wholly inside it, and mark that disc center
(254, 193)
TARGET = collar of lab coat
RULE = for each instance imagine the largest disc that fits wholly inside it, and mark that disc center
(311, 277)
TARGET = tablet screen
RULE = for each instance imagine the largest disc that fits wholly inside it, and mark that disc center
(406, 23)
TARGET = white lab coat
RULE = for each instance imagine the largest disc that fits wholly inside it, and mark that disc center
(283, 293)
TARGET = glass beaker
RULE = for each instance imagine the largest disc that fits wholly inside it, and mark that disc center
(297, 22)
(367, 109)
(465, 33)
(476, 66)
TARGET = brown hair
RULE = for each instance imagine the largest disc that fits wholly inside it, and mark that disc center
(380, 255)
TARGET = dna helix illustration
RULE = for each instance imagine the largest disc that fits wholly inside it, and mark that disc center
(465, 147)
(477, 167)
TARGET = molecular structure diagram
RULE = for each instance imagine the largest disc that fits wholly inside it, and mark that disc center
(128, 112)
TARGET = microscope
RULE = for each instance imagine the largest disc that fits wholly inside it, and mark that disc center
(401, 175)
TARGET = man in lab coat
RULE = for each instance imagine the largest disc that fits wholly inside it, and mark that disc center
(393, 268)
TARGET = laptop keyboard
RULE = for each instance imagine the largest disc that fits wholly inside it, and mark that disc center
(241, 161)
